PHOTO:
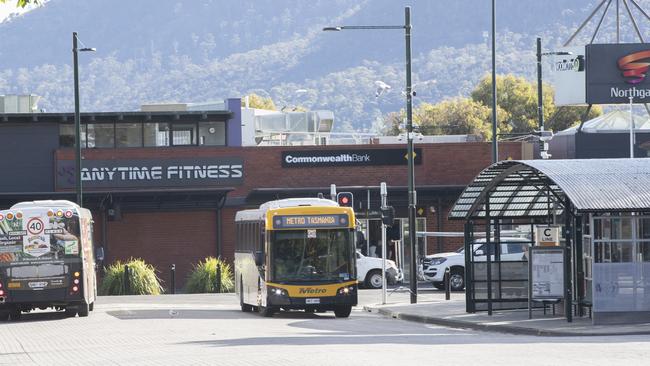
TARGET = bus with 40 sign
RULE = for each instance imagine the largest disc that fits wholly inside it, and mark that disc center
(46, 259)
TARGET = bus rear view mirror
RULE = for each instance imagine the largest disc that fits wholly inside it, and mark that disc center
(99, 254)
(259, 258)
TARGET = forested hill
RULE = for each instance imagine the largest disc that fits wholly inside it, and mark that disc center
(203, 50)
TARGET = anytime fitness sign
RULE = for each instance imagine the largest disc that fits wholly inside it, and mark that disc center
(616, 72)
(152, 173)
(329, 158)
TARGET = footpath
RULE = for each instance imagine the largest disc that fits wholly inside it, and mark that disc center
(451, 313)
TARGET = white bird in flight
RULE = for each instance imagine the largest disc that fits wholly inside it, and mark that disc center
(381, 88)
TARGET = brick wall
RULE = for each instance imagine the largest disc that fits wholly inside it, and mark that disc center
(163, 238)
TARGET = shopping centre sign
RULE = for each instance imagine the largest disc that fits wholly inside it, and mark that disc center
(140, 173)
(616, 72)
(332, 158)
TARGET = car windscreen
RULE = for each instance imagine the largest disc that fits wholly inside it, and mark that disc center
(312, 255)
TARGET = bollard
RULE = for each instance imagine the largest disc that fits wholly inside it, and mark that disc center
(172, 285)
(218, 279)
(127, 281)
(447, 285)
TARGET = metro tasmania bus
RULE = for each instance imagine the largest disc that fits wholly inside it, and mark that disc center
(296, 254)
(46, 259)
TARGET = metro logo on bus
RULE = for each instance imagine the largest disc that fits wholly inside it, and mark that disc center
(311, 291)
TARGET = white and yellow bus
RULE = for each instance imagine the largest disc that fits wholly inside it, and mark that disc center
(46, 259)
(296, 253)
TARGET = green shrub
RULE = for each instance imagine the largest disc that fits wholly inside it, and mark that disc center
(203, 277)
(142, 279)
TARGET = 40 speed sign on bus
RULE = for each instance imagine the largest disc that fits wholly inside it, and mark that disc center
(35, 243)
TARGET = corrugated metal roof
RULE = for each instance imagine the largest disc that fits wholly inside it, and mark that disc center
(529, 188)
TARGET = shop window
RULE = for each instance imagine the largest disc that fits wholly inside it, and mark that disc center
(128, 134)
(67, 136)
(183, 134)
(212, 133)
(156, 134)
(101, 135)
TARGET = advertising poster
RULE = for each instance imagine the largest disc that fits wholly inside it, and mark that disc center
(547, 273)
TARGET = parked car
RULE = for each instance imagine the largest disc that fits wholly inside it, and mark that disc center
(369, 271)
(433, 266)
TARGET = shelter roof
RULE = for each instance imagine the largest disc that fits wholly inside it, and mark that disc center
(537, 188)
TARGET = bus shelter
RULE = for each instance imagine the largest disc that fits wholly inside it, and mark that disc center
(601, 209)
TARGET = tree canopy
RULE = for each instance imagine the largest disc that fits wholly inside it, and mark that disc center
(516, 113)
(22, 3)
(259, 102)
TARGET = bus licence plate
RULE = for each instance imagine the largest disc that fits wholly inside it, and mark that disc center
(312, 301)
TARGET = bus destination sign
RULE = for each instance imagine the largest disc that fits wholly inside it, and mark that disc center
(310, 221)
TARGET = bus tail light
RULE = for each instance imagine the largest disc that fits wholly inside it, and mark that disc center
(75, 288)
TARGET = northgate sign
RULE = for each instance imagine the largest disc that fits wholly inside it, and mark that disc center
(149, 172)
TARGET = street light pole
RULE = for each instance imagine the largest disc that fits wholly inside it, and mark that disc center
(412, 197)
(77, 117)
(411, 166)
(540, 105)
(77, 120)
(495, 147)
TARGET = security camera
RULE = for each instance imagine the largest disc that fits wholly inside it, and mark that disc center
(545, 135)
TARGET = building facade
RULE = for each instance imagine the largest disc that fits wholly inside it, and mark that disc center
(165, 186)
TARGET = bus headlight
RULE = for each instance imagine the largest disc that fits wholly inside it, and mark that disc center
(277, 291)
(347, 290)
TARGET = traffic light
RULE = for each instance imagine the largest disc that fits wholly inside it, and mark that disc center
(387, 215)
(345, 199)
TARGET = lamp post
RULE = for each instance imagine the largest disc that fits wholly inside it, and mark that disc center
(77, 117)
(495, 146)
(409, 138)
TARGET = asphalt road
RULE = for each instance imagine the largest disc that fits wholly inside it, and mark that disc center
(210, 330)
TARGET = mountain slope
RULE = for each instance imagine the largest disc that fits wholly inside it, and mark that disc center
(195, 51)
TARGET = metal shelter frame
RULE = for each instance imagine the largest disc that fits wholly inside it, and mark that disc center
(541, 192)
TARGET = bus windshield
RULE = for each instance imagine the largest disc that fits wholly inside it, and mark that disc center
(312, 255)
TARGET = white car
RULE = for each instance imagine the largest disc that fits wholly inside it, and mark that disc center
(433, 266)
(369, 271)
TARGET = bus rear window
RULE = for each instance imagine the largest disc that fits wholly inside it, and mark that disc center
(38, 237)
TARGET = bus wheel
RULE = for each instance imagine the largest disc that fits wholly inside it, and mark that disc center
(266, 311)
(244, 307)
(70, 312)
(91, 307)
(343, 311)
(83, 309)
